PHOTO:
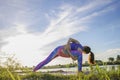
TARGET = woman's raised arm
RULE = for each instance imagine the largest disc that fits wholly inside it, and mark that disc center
(73, 40)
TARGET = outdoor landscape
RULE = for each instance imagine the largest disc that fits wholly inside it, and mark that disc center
(47, 39)
(14, 71)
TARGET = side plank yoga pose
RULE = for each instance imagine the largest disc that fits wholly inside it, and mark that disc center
(73, 49)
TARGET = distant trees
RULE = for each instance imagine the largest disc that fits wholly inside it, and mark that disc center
(110, 59)
(98, 62)
(118, 58)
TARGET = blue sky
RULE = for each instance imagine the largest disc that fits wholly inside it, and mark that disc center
(31, 29)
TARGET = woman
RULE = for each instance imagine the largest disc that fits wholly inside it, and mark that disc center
(73, 49)
(73, 44)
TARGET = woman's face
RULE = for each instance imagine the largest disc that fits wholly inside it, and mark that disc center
(84, 52)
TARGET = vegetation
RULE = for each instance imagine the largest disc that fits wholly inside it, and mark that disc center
(9, 72)
(95, 74)
(111, 61)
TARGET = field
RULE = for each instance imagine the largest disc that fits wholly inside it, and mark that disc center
(96, 73)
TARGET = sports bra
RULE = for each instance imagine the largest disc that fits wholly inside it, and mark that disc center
(75, 46)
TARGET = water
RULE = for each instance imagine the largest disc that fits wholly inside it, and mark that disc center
(74, 69)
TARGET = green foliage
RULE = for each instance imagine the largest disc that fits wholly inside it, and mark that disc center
(118, 58)
(95, 73)
(111, 59)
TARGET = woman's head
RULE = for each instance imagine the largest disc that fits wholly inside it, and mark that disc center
(87, 50)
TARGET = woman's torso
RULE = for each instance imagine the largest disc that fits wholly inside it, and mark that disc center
(62, 53)
(75, 46)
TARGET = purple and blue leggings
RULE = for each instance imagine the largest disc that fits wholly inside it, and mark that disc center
(57, 52)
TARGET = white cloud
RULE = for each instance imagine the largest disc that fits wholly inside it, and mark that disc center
(6, 32)
(109, 53)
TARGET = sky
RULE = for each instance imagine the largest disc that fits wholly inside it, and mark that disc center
(32, 29)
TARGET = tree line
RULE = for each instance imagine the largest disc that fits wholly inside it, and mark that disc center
(111, 61)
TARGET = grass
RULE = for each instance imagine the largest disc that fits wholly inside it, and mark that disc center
(96, 73)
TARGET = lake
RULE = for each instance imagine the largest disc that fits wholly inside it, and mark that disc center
(74, 69)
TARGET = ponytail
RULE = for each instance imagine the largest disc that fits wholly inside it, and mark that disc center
(87, 50)
(91, 58)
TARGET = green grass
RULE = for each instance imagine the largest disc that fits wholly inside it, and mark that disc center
(96, 73)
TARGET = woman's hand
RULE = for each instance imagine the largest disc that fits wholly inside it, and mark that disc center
(73, 40)
(74, 58)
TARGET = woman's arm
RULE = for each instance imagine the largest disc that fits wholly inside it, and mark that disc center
(66, 47)
(73, 40)
(79, 63)
(69, 41)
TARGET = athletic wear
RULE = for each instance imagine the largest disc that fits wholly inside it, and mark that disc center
(58, 52)
(75, 46)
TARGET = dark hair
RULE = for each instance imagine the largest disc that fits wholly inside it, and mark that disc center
(91, 58)
(87, 50)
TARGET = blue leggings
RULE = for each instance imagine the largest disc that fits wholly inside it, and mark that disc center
(55, 53)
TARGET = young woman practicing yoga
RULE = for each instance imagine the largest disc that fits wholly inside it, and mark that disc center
(73, 49)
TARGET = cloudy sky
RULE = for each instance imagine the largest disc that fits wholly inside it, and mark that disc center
(31, 29)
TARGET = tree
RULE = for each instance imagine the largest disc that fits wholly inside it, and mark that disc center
(111, 59)
(118, 58)
(98, 62)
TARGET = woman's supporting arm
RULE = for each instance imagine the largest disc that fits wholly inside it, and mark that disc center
(79, 63)
(79, 59)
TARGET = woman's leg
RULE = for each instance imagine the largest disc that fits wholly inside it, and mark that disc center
(48, 59)
(79, 59)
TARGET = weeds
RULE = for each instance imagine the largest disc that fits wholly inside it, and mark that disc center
(96, 73)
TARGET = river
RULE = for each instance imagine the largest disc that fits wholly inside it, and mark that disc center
(74, 69)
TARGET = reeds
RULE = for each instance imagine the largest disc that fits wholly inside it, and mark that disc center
(96, 73)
